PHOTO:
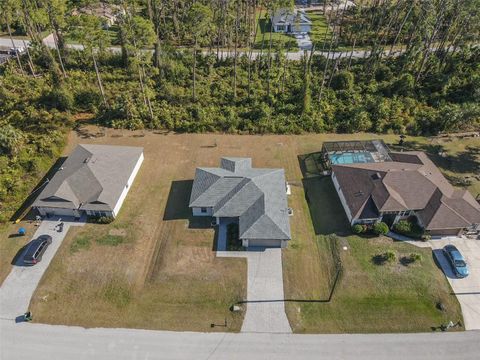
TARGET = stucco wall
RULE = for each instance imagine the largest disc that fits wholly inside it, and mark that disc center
(120, 201)
(196, 211)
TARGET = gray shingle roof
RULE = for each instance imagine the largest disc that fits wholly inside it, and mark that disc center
(91, 178)
(256, 196)
(286, 16)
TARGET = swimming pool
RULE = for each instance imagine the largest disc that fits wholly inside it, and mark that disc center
(351, 158)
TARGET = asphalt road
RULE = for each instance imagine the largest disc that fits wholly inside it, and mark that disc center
(27, 341)
(293, 55)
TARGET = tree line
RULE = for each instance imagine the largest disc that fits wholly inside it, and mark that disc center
(169, 73)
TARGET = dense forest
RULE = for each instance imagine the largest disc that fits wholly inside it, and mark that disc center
(409, 67)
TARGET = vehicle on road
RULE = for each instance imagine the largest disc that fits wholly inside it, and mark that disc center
(36, 249)
(18, 50)
(456, 259)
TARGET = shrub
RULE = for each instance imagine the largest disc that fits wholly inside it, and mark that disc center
(101, 219)
(380, 228)
(403, 227)
(390, 256)
(357, 229)
(415, 257)
(426, 237)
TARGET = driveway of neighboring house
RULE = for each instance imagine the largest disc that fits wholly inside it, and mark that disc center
(17, 289)
(265, 309)
(467, 290)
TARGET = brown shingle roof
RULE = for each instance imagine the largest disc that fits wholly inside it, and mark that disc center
(410, 182)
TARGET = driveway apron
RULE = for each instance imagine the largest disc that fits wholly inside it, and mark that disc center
(19, 286)
(467, 290)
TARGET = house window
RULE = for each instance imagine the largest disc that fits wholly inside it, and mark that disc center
(203, 210)
(280, 28)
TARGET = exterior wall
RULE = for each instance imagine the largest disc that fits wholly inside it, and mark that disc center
(197, 211)
(342, 199)
(275, 243)
(120, 201)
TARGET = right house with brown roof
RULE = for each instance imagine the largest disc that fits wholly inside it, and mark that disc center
(402, 185)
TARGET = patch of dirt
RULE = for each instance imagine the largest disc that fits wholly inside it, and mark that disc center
(118, 232)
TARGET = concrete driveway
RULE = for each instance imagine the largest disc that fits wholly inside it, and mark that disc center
(467, 290)
(265, 308)
(17, 289)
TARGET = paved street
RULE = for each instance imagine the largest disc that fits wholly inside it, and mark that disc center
(467, 290)
(46, 342)
(19, 286)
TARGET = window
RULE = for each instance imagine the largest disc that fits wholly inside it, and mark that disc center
(203, 210)
(280, 28)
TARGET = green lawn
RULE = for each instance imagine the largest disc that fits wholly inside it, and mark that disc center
(368, 298)
(263, 35)
(319, 27)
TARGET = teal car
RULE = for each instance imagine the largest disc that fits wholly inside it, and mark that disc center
(456, 259)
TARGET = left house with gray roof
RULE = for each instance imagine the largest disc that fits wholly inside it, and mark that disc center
(94, 180)
(256, 198)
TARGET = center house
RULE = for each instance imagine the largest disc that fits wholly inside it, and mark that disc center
(256, 198)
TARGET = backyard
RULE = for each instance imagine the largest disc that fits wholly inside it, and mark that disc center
(154, 267)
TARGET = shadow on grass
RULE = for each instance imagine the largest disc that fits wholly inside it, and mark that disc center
(463, 162)
(18, 258)
(326, 211)
(22, 210)
(177, 206)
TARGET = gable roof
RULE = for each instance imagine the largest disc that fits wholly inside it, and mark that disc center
(410, 182)
(91, 178)
(256, 196)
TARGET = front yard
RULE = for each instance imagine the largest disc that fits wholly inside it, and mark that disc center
(154, 267)
(370, 296)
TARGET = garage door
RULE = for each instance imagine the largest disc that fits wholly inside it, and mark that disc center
(446, 232)
(264, 243)
(57, 212)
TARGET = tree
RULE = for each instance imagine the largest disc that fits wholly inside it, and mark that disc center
(88, 31)
(198, 20)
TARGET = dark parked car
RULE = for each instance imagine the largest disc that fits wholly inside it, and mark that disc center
(457, 261)
(36, 249)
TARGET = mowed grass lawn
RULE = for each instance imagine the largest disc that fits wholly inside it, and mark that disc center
(368, 297)
(154, 268)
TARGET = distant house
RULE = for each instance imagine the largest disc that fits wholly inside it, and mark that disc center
(291, 21)
(109, 13)
(375, 184)
(94, 180)
(255, 198)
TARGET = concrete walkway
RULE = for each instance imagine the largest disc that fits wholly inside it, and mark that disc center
(265, 308)
(19, 286)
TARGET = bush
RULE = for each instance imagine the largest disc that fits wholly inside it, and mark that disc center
(59, 99)
(403, 227)
(415, 257)
(357, 229)
(380, 228)
(390, 256)
(101, 219)
(426, 237)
